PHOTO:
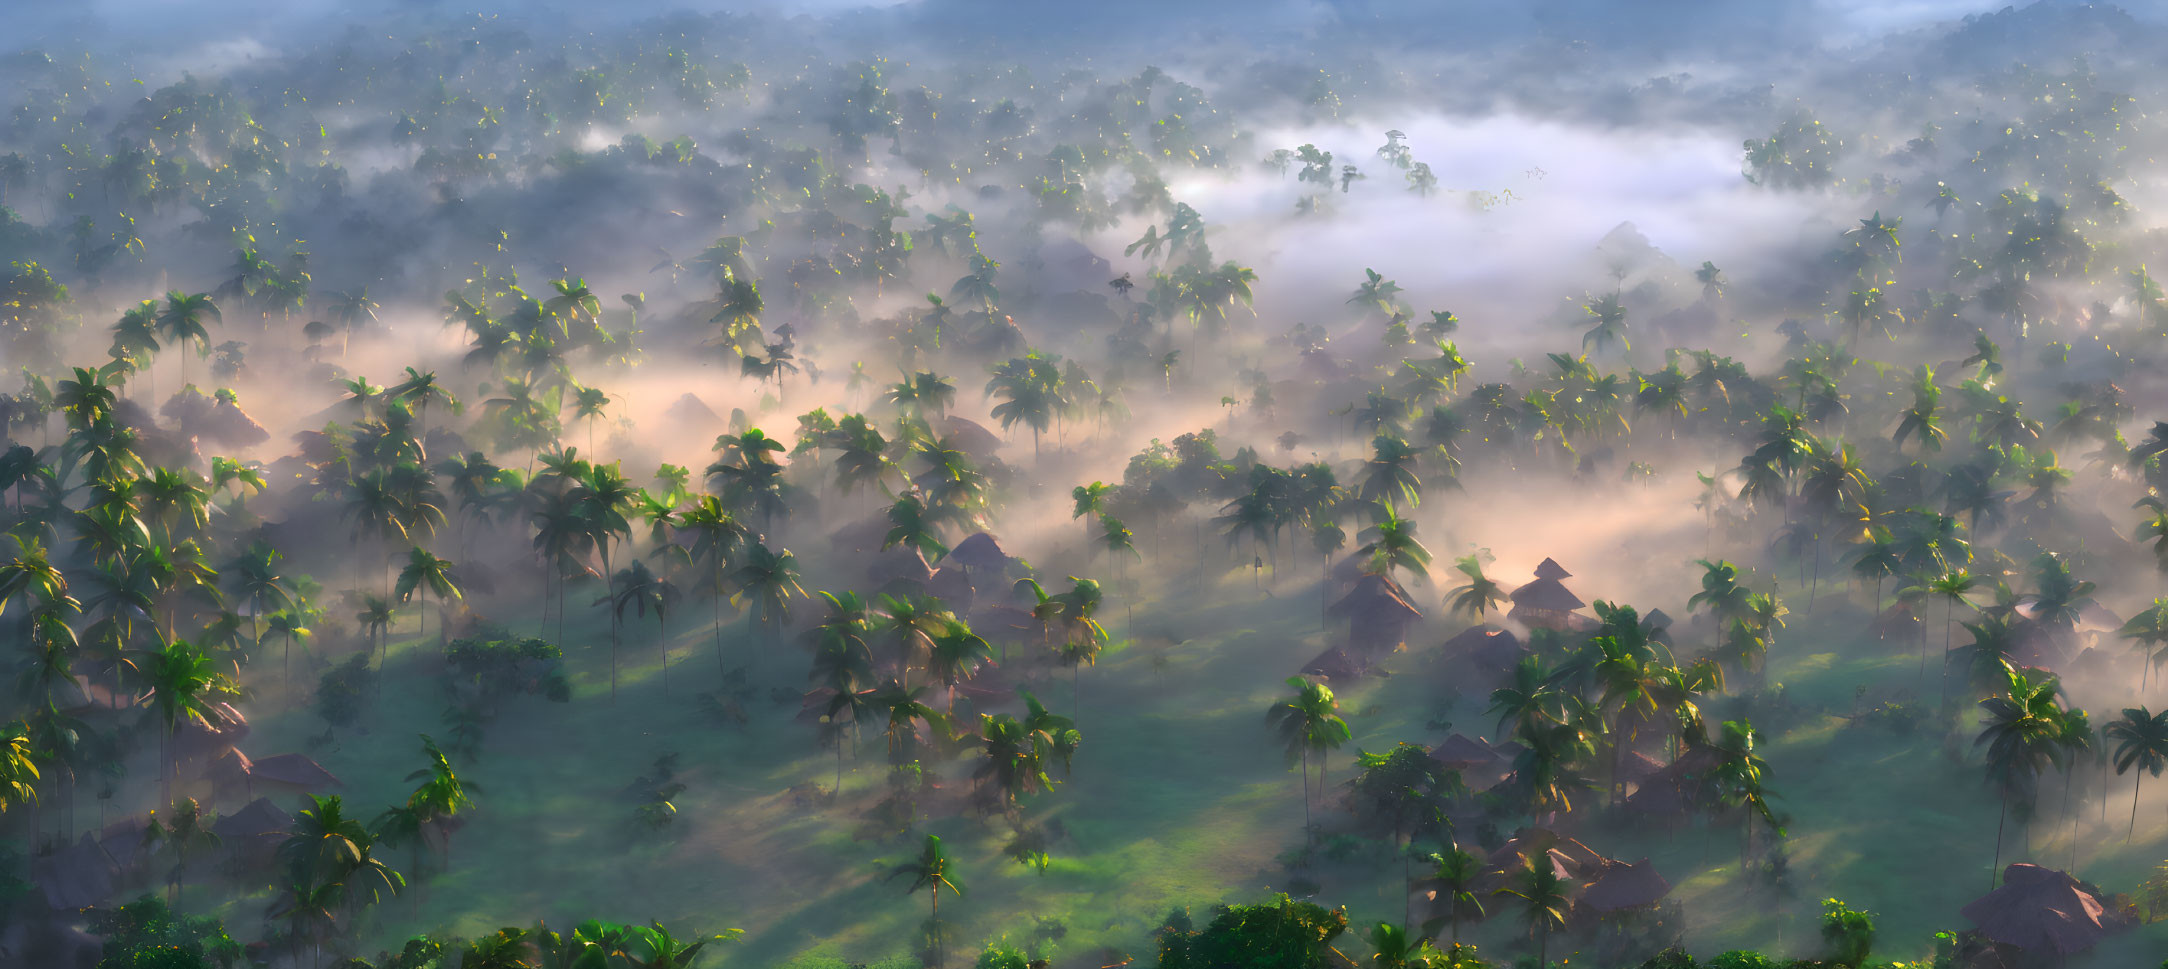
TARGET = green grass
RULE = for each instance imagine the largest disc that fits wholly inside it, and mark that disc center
(1178, 797)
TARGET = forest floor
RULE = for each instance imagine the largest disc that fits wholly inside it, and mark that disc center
(1178, 797)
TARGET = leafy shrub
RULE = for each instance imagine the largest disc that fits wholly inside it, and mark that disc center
(500, 667)
(144, 934)
(339, 692)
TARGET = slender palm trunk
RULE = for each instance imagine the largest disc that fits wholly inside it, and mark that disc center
(663, 624)
(1999, 818)
(1306, 824)
(2135, 787)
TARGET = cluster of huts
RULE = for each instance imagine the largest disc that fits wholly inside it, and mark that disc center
(2036, 913)
(122, 857)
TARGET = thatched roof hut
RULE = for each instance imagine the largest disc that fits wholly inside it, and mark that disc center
(1675, 788)
(1336, 664)
(1547, 594)
(1575, 860)
(126, 842)
(252, 834)
(1620, 886)
(1546, 603)
(1486, 649)
(979, 552)
(692, 416)
(75, 877)
(1459, 753)
(293, 771)
(193, 741)
(1378, 612)
(2040, 910)
(970, 437)
(950, 585)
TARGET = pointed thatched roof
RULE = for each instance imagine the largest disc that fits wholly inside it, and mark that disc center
(1460, 753)
(1548, 594)
(1376, 595)
(260, 819)
(1488, 647)
(123, 841)
(2040, 910)
(979, 551)
(1550, 569)
(233, 765)
(77, 876)
(293, 770)
(1572, 858)
(690, 414)
(952, 586)
(1621, 886)
(192, 740)
(1335, 664)
(970, 437)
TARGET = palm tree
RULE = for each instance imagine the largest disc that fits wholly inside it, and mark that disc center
(717, 535)
(326, 846)
(257, 577)
(2022, 730)
(955, 655)
(1544, 905)
(587, 405)
(641, 590)
(770, 577)
(442, 794)
(1480, 595)
(931, 870)
(1307, 722)
(1529, 698)
(184, 686)
(1393, 545)
(1090, 501)
(1737, 779)
(181, 322)
(1397, 949)
(375, 619)
(186, 831)
(2141, 743)
(1454, 881)
(2149, 631)
(425, 573)
(289, 625)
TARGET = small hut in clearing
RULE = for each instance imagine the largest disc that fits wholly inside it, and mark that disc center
(1378, 612)
(1457, 752)
(74, 877)
(252, 834)
(2040, 910)
(1336, 664)
(980, 553)
(1546, 603)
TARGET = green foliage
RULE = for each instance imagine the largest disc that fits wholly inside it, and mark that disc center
(145, 934)
(1000, 954)
(1279, 933)
(500, 667)
(340, 691)
(1848, 933)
